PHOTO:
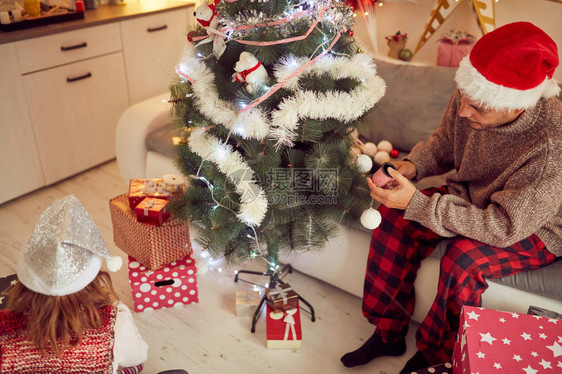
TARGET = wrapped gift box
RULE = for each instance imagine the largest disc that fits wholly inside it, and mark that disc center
(283, 328)
(174, 284)
(152, 210)
(246, 302)
(490, 341)
(152, 246)
(161, 188)
(281, 297)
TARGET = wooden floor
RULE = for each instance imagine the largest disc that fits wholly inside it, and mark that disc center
(207, 338)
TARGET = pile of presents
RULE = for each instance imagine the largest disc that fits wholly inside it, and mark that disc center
(283, 321)
(162, 271)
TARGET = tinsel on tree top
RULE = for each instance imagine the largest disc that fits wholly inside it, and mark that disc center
(270, 96)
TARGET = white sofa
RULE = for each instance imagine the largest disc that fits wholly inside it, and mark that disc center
(342, 263)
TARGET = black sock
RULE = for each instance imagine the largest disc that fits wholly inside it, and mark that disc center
(417, 362)
(374, 347)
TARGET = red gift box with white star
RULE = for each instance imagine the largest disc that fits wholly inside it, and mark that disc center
(490, 341)
(173, 285)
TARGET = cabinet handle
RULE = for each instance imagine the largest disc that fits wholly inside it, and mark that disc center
(75, 46)
(74, 79)
(152, 29)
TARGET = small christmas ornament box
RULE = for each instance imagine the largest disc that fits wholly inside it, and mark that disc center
(246, 302)
(281, 297)
(283, 328)
(490, 341)
(152, 210)
(172, 285)
(153, 246)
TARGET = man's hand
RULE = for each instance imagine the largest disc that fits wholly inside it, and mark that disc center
(406, 168)
(400, 196)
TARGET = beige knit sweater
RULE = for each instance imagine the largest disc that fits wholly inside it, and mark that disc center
(508, 180)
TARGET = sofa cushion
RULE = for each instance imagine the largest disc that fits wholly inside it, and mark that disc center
(544, 281)
(405, 116)
(160, 141)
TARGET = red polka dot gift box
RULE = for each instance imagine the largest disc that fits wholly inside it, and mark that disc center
(170, 286)
(151, 245)
(490, 341)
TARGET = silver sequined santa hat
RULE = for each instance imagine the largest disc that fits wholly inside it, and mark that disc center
(64, 252)
(510, 68)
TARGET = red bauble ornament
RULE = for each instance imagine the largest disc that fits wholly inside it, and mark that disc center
(190, 36)
(350, 32)
(394, 153)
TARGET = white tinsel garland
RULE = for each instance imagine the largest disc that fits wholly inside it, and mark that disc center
(253, 204)
(357, 67)
(251, 124)
(304, 104)
(334, 104)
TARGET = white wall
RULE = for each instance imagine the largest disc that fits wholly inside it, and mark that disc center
(410, 18)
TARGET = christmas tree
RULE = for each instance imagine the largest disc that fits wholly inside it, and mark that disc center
(270, 97)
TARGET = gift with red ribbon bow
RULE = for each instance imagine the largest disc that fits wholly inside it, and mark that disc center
(152, 210)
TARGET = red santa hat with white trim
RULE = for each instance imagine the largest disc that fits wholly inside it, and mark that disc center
(510, 68)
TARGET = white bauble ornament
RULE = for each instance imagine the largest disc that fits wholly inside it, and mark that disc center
(364, 163)
(384, 145)
(370, 148)
(371, 218)
(381, 157)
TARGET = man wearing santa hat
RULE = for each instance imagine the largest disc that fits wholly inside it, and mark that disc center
(500, 211)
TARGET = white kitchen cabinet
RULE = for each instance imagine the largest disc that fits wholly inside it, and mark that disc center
(61, 94)
(20, 168)
(152, 46)
(74, 109)
(67, 47)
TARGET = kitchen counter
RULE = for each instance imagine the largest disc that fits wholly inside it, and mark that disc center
(103, 14)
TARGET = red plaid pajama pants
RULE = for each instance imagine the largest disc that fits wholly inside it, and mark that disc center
(397, 248)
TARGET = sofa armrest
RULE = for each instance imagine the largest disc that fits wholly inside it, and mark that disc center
(133, 126)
